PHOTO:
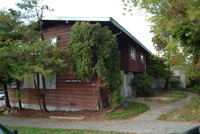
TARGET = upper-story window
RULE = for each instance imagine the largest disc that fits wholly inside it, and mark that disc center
(53, 41)
(133, 53)
(142, 58)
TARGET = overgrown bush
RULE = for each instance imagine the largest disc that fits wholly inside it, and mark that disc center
(95, 54)
(142, 83)
(174, 83)
(194, 89)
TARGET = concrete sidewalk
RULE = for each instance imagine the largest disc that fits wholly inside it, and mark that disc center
(145, 123)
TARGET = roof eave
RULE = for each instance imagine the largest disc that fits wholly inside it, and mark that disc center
(130, 35)
(105, 19)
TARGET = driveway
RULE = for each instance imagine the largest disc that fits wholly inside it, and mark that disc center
(145, 123)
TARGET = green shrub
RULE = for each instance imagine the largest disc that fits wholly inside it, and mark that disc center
(194, 89)
(174, 83)
(188, 84)
(142, 83)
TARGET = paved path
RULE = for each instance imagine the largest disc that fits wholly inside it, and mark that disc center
(145, 123)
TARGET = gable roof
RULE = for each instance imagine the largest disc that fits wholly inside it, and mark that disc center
(97, 19)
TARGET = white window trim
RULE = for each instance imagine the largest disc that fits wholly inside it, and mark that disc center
(53, 41)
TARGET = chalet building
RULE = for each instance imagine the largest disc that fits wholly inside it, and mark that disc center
(67, 92)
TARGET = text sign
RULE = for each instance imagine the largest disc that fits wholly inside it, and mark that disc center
(73, 81)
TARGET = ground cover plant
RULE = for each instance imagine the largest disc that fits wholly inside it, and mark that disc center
(167, 97)
(129, 110)
(34, 130)
(189, 113)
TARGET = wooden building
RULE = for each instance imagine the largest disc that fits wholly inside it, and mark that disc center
(67, 92)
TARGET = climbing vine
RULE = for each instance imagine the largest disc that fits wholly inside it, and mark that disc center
(95, 55)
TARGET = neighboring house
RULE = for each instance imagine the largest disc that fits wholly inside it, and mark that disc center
(177, 75)
(67, 92)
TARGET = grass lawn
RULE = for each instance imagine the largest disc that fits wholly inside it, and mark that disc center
(130, 110)
(190, 112)
(168, 97)
(177, 96)
(33, 130)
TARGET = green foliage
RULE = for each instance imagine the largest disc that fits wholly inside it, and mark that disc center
(181, 22)
(22, 95)
(168, 115)
(177, 96)
(34, 9)
(34, 130)
(142, 84)
(131, 110)
(95, 55)
(192, 111)
(194, 89)
(174, 83)
(21, 52)
(189, 113)
(158, 68)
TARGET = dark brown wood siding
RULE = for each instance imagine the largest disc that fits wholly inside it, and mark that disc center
(123, 47)
(136, 65)
(78, 96)
(128, 64)
(61, 31)
(82, 95)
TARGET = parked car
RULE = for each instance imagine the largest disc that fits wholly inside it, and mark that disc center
(2, 95)
(194, 130)
(4, 130)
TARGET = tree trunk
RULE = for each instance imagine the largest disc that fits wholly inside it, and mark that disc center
(43, 95)
(7, 102)
(166, 87)
(44, 108)
(37, 90)
(103, 98)
(19, 96)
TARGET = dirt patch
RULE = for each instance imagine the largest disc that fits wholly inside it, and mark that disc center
(29, 113)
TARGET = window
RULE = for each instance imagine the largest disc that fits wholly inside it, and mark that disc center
(133, 53)
(51, 82)
(142, 58)
(53, 41)
(13, 84)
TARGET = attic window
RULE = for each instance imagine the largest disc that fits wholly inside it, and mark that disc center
(133, 53)
(142, 58)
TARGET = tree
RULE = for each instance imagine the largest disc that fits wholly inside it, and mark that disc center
(95, 56)
(9, 23)
(158, 68)
(27, 52)
(173, 19)
(46, 58)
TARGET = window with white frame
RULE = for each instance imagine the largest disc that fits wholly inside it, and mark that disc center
(133, 53)
(53, 41)
(142, 58)
(51, 82)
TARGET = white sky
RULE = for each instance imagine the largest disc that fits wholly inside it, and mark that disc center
(135, 24)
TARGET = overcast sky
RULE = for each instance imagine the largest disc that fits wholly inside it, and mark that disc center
(135, 24)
